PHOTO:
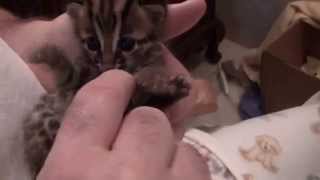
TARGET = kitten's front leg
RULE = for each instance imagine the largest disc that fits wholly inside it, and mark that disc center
(155, 87)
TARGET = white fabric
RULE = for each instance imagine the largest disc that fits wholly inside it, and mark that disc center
(280, 146)
(19, 91)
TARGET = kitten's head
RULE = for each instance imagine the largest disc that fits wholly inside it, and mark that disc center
(138, 39)
(119, 32)
(85, 31)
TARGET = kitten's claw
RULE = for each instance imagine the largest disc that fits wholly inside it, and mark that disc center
(182, 85)
(159, 89)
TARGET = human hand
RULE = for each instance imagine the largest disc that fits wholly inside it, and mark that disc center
(96, 142)
(181, 17)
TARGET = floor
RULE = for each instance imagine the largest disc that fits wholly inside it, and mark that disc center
(227, 112)
(247, 25)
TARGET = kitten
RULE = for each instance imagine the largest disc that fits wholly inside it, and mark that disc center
(42, 124)
(129, 40)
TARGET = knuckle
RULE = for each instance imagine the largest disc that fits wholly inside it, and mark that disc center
(150, 124)
(151, 120)
(148, 115)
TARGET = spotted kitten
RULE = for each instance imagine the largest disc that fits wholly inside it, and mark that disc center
(42, 124)
(129, 40)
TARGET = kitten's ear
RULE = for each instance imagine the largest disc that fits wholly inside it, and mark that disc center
(75, 10)
(157, 13)
(79, 16)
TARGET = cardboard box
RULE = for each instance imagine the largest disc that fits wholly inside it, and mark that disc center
(283, 84)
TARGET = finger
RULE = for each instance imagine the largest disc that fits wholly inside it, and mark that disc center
(97, 110)
(183, 16)
(145, 140)
(183, 109)
(189, 164)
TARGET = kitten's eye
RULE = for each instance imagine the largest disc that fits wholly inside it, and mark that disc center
(92, 44)
(126, 43)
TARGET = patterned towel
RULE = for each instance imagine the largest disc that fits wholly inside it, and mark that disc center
(279, 146)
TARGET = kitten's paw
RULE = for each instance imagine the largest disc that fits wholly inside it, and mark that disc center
(154, 84)
(158, 89)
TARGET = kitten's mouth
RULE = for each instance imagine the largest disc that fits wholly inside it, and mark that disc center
(120, 63)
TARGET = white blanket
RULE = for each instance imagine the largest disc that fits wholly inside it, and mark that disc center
(19, 91)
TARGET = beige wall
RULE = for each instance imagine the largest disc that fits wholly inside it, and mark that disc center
(248, 21)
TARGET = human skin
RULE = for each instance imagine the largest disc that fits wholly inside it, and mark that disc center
(97, 141)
